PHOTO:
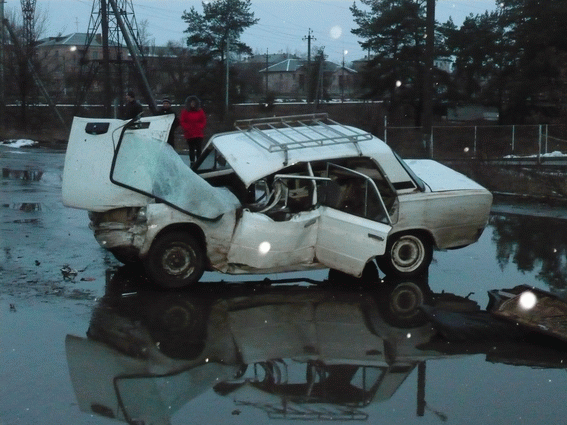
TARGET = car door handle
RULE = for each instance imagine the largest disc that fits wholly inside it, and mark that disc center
(380, 238)
(310, 223)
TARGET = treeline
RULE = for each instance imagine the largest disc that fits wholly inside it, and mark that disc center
(513, 58)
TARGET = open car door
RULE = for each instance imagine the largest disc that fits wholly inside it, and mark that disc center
(279, 231)
(354, 223)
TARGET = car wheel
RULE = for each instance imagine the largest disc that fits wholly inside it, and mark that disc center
(407, 255)
(179, 326)
(399, 303)
(175, 260)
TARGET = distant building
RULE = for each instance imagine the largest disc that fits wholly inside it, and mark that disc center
(270, 59)
(472, 113)
(61, 57)
(286, 78)
(444, 64)
(289, 78)
(67, 50)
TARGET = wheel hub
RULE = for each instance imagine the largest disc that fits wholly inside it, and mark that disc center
(407, 253)
(177, 261)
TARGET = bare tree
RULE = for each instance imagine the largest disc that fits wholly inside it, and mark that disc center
(21, 64)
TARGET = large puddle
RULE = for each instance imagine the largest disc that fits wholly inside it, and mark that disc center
(82, 340)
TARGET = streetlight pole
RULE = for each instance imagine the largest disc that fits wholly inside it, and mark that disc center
(343, 79)
(266, 73)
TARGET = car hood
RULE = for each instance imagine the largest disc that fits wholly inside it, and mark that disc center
(440, 178)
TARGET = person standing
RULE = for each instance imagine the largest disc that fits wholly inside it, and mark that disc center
(166, 109)
(132, 108)
(193, 121)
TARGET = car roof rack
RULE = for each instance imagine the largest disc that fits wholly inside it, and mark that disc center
(285, 133)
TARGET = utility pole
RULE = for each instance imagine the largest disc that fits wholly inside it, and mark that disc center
(427, 113)
(117, 21)
(2, 78)
(226, 99)
(28, 12)
(135, 51)
(309, 37)
(28, 46)
(105, 59)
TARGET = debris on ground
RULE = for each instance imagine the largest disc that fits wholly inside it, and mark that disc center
(68, 272)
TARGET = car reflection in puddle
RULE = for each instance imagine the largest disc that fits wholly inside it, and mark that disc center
(296, 349)
(26, 175)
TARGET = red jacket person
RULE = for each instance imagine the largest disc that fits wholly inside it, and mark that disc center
(193, 121)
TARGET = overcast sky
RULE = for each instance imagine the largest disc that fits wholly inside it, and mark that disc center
(283, 26)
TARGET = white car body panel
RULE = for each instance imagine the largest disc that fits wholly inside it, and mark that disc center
(349, 242)
(262, 243)
(439, 177)
(454, 220)
(86, 183)
(454, 208)
(218, 232)
(327, 236)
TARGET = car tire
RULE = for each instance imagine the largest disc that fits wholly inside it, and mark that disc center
(399, 303)
(407, 255)
(179, 325)
(175, 260)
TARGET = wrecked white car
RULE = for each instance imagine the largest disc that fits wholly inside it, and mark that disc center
(278, 194)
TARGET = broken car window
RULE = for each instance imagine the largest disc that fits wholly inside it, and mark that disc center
(354, 193)
(153, 168)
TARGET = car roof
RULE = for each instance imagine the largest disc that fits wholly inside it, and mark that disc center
(255, 152)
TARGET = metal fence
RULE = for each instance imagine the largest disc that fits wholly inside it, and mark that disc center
(488, 142)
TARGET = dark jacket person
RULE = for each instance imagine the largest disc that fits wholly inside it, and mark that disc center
(166, 109)
(132, 108)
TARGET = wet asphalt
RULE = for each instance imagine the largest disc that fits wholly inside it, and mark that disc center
(55, 280)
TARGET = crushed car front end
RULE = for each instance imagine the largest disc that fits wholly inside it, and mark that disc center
(121, 231)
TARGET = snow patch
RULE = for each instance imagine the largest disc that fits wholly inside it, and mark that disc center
(17, 143)
(554, 154)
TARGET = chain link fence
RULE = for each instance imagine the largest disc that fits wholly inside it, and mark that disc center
(484, 142)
